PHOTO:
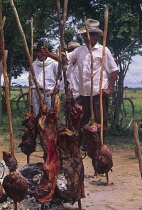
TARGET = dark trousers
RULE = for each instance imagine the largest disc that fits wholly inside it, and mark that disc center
(84, 101)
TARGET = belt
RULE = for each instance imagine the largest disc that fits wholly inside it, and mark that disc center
(45, 90)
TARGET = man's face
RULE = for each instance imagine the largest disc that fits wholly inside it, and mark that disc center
(93, 38)
(40, 56)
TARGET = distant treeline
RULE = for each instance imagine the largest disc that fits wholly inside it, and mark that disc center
(134, 88)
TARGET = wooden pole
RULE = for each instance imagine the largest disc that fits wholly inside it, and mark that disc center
(62, 25)
(30, 75)
(138, 148)
(44, 76)
(91, 93)
(102, 68)
(27, 50)
(6, 82)
(32, 37)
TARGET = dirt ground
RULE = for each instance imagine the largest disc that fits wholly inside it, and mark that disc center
(124, 191)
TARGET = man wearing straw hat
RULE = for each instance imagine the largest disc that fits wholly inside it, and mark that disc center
(81, 55)
(46, 70)
(72, 70)
(110, 72)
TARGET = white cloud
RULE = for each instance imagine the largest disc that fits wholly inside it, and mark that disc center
(22, 80)
(134, 75)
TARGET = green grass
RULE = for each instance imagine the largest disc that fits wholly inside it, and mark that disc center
(119, 139)
(136, 97)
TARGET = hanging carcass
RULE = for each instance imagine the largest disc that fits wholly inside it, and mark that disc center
(47, 126)
(71, 164)
(28, 144)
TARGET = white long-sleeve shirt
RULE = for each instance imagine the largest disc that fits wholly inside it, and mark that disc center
(73, 77)
(81, 55)
(51, 71)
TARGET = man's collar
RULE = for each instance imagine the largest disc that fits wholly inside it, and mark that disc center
(96, 46)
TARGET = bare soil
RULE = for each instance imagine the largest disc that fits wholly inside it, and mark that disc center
(124, 191)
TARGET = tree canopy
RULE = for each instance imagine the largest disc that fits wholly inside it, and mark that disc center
(124, 27)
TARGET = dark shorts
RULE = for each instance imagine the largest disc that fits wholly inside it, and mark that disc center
(84, 101)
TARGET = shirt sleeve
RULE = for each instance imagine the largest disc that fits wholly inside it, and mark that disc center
(110, 64)
(72, 57)
(55, 68)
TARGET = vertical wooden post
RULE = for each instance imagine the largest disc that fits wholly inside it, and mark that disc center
(6, 83)
(138, 148)
(102, 68)
(91, 93)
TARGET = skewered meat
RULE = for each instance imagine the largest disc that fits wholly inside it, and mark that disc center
(71, 166)
(28, 144)
(100, 154)
(91, 140)
(73, 111)
(55, 102)
(47, 126)
(103, 161)
(14, 185)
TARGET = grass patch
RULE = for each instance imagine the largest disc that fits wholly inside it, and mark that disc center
(120, 139)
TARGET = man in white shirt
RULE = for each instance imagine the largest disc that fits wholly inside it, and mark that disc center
(45, 80)
(81, 55)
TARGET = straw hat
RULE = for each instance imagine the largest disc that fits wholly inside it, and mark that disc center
(93, 26)
(73, 45)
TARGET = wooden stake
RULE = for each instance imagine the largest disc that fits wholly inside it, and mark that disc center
(27, 50)
(102, 68)
(136, 139)
(6, 83)
(91, 93)
(62, 25)
(44, 76)
(30, 75)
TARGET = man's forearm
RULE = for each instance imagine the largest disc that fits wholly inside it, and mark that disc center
(112, 79)
(53, 56)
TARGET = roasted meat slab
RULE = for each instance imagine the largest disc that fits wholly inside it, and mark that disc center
(28, 144)
(47, 126)
(71, 166)
(100, 154)
(73, 111)
(14, 185)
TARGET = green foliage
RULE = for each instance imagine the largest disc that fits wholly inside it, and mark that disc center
(123, 28)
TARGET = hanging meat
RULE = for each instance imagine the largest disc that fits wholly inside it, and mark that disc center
(71, 164)
(103, 161)
(100, 154)
(28, 144)
(15, 186)
(47, 126)
(73, 111)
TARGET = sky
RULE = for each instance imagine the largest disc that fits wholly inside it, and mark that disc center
(133, 77)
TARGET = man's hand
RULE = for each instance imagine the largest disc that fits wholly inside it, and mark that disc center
(106, 92)
(45, 51)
